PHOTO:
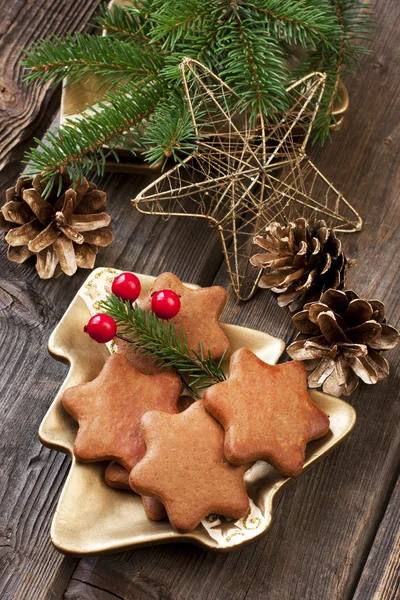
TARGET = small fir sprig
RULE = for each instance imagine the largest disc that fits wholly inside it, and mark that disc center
(157, 338)
(77, 147)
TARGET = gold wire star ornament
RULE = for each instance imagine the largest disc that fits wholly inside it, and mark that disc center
(244, 175)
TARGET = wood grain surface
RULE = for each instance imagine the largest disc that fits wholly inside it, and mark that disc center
(335, 533)
(381, 576)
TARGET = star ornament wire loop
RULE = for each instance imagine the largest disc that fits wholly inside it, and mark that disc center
(245, 174)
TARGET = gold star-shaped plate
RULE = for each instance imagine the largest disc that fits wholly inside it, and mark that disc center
(92, 518)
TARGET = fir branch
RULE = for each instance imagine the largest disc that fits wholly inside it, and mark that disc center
(299, 23)
(155, 337)
(354, 26)
(109, 59)
(77, 145)
(246, 43)
(175, 20)
(170, 131)
(252, 62)
(126, 22)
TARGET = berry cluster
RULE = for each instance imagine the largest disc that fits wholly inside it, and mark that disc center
(165, 304)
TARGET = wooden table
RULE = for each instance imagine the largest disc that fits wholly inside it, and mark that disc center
(335, 534)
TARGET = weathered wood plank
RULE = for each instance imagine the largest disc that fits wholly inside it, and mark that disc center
(380, 579)
(21, 107)
(78, 590)
(326, 521)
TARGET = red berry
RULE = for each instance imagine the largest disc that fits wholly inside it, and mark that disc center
(165, 304)
(127, 287)
(101, 328)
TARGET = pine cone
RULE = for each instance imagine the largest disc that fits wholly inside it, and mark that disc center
(63, 233)
(303, 261)
(340, 339)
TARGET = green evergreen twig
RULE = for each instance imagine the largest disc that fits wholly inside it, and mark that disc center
(108, 59)
(129, 23)
(157, 338)
(77, 145)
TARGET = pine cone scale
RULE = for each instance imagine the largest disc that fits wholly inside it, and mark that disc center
(85, 256)
(89, 222)
(45, 238)
(358, 312)
(387, 340)
(100, 237)
(380, 363)
(46, 262)
(42, 210)
(18, 254)
(354, 350)
(14, 212)
(363, 369)
(21, 236)
(330, 328)
(323, 370)
(72, 234)
(336, 299)
(364, 333)
(66, 254)
(304, 324)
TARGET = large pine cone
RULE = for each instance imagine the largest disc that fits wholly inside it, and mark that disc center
(340, 339)
(302, 260)
(62, 233)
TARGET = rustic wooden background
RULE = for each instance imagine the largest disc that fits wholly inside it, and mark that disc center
(335, 534)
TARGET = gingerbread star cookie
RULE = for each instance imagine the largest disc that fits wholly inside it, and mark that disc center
(116, 476)
(143, 363)
(198, 315)
(185, 467)
(109, 408)
(266, 412)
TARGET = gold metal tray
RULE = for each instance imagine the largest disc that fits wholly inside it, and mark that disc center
(92, 518)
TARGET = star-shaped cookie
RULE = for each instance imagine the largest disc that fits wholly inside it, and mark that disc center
(266, 412)
(109, 409)
(185, 467)
(116, 476)
(198, 315)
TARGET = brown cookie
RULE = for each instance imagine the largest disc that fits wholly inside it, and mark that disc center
(185, 467)
(116, 476)
(144, 364)
(154, 508)
(185, 402)
(198, 315)
(109, 408)
(266, 412)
